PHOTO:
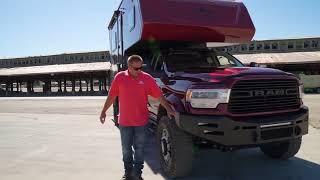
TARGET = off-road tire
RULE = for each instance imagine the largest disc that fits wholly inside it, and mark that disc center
(282, 150)
(181, 149)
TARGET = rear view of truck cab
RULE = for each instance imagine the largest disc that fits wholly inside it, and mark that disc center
(218, 101)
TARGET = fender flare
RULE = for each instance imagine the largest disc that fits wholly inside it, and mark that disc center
(177, 104)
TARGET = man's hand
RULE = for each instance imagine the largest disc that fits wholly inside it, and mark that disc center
(102, 117)
(167, 106)
(106, 106)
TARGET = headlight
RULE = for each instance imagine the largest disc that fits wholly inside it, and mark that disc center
(207, 98)
(301, 91)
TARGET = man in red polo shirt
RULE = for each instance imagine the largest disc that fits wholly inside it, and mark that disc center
(133, 87)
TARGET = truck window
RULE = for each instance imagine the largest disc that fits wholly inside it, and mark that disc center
(180, 61)
(202, 60)
(226, 60)
(223, 61)
(158, 64)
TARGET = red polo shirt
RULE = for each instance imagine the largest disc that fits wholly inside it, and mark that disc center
(133, 97)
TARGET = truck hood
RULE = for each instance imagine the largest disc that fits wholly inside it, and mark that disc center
(221, 74)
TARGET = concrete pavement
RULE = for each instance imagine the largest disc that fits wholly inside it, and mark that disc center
(62, 138)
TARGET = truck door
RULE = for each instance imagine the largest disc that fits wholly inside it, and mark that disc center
(116, 40)
(116, 46)
(121, 56)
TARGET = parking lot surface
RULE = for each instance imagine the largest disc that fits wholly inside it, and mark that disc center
(62, 138)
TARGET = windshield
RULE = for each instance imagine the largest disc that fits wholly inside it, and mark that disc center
(195, 60)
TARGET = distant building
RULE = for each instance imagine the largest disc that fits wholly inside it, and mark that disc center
(63, 74)
(298, 56)
(88, 73)
(276, 46)
(69, 58)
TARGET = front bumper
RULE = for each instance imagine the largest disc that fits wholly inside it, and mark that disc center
(247, 131)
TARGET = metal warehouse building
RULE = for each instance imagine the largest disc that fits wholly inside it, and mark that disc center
(292, 55)
(88, 73)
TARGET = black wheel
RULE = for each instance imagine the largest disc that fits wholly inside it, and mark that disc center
(282, 150)
(176, 149)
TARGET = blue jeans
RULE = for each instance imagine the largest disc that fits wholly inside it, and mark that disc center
(133, 136)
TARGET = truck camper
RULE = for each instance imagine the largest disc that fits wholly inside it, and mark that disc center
(218, 101)
(137, 22)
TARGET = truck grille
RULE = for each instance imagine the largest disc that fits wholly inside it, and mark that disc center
(265, 95)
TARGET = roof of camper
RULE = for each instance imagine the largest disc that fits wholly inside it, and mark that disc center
(196, 20)
(190, 20)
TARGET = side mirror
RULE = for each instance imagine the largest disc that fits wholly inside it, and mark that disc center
(254, 64)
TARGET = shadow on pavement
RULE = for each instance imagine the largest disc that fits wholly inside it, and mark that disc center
(249, 164)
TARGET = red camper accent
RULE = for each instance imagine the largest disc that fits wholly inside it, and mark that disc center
(138, 21)
(196, 20)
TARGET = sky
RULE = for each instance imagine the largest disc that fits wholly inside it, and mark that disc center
(47, 27)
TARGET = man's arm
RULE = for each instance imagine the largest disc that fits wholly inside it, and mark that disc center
(107, 104)
(166, 105)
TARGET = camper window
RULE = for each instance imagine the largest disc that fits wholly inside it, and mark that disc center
(131, 18)
(114, 39)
